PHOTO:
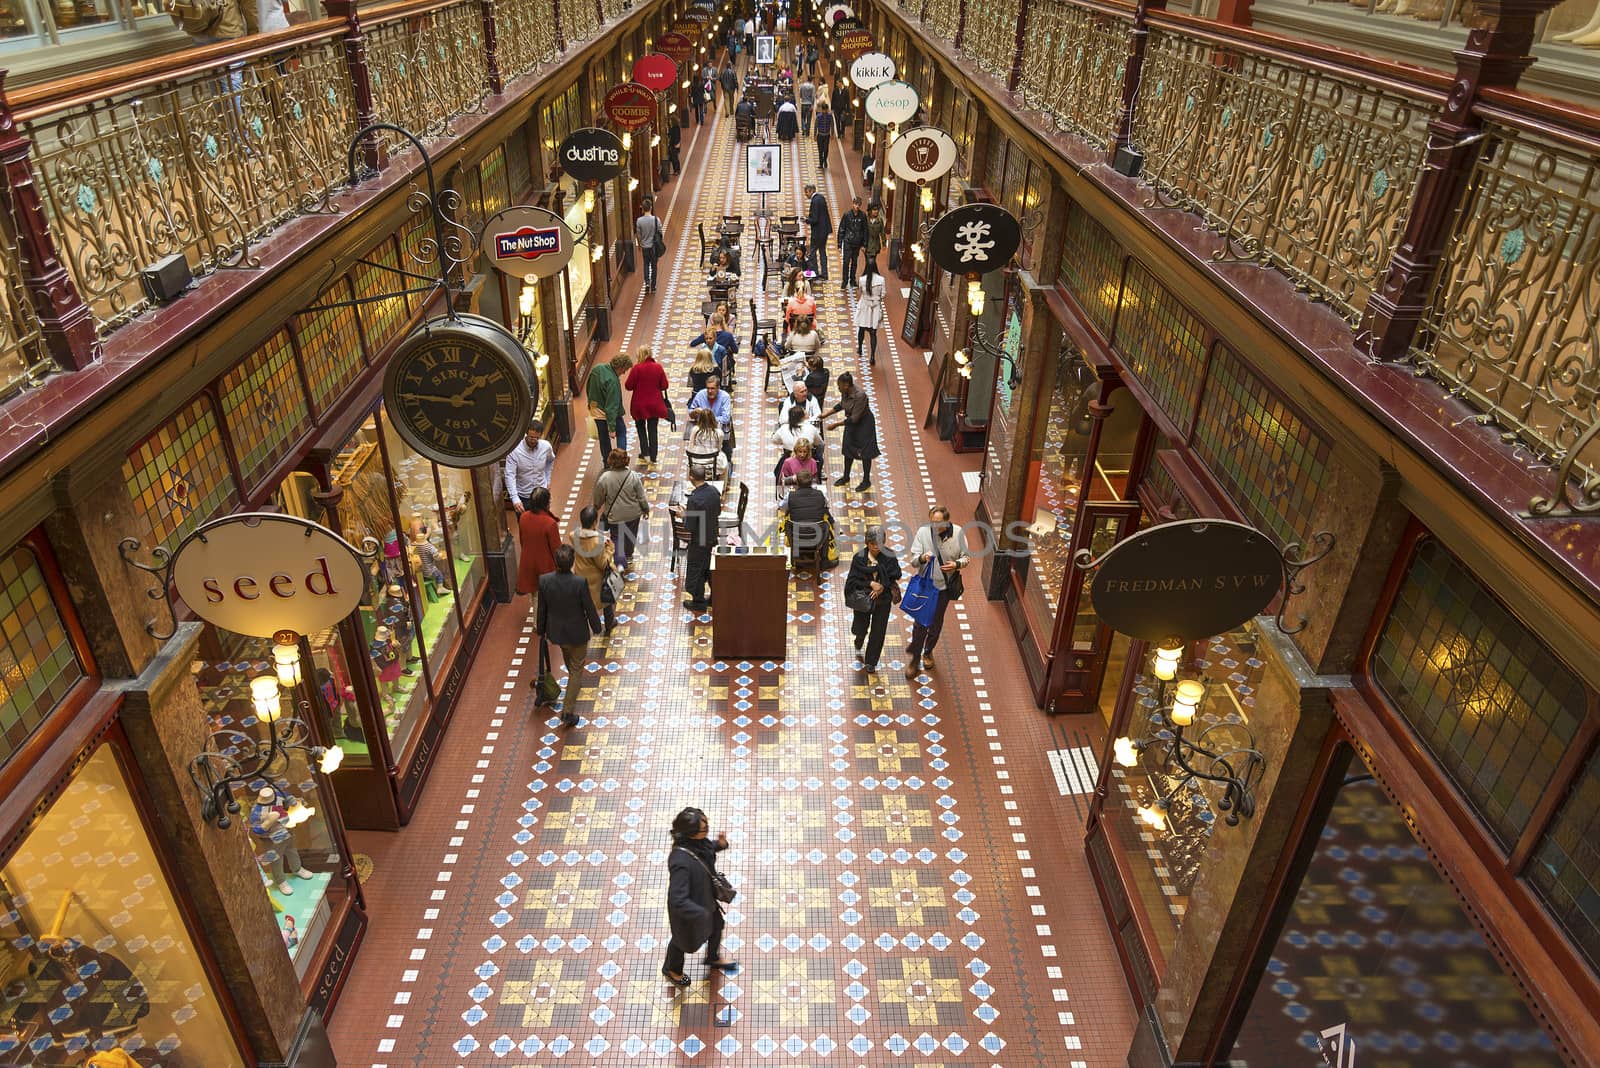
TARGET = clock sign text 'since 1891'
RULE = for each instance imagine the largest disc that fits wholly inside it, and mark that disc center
(459, 390)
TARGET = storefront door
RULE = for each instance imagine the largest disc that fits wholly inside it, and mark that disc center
(1081, 642)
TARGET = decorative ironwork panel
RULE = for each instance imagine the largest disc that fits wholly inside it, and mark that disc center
(23, 358)
(492, 173)
(200, 165)
(1495, 708)
(381, 320)
(330, 345)
(1163, 345)
(1566, 867)
(178, 476)
(519, 167)
(1072, 64)
(580, 21)
(1091, 267)
(38, 666)
(990, 37)
(615, 9)
(1270, 462)
(469, 188)
(944, 18)
(428, 69)
(1514, 323)
(1300, 169)
(526, 37)
(264, 407)
(994, 168)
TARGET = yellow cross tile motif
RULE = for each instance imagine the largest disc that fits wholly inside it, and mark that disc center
(796, 904)
(918, 991)
(595, 752)
(888, 750)
(540, 995)
(669, 1007)
(907, 897)
(584, 818)
(561, 900)
(899, 818)
(796, 991)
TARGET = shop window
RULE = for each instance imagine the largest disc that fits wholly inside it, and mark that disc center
(382, 320)
(330, 344)
(178, 477)
(1378, 954)
(1163, 345)
(579, 274)
(519, 171)
(492, 174)
(1490, 702)
(994, 174)
(1091, 268)
(455, 533)
(1270, 462)
(94, 953)
(264, 407)
(38, 667)
(1566, 866)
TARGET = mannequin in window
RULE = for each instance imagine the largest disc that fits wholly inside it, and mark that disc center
(387, 661)
(394, 611)
(274, 842)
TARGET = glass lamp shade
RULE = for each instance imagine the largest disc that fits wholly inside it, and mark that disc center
(627, 141)
(1185, 700)
(1165, 664)
(330, 760)
(298, 813)
(597, 253)
(264, 696)
(1153, 816)
(286, 660)
(927, 198)
(588, 201)
(1124, 752)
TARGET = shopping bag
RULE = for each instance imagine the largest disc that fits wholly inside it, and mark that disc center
(545, 687)
(921, 598)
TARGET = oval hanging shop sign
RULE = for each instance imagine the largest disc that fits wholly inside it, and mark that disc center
(655, 71)
(870, 70)
(974, 238)
(675, 46)
(592, 155)
(922, 155)
(631, 106)
(258, 573)
(527, 242)
(837, 12)
(1187, 579)
(892, 102)
(855, 43)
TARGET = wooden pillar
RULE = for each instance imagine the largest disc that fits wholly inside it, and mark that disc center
(561, 30)
(373, 154)
(1015, 74)
(65, 321)
(1496, 53)
(491, 46)
(1138, 36)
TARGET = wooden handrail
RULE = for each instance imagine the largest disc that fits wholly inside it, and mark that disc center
(37, 101)
(381, 14)
(1559, 120)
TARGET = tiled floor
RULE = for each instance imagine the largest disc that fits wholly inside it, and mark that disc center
(912, 882)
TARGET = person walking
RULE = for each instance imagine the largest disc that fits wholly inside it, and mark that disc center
(647, 381)
(806, 95)
(539, 536)
(528, 466)
(811, 58)
(693, 911)
(648, 234)
(840, 102)
(595, 553)
(872, 244)
(852, 238)
(623, 505)
(821, 227)
(946, 545)
(824, 132)
(700, 515)
(674, 146)
(870, 590)
(604, 393)
(567, 617)
(860, 431)
(730, 85)
(869, 309)
(698, 87)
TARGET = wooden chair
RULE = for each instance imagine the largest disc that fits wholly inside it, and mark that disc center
(706, 244)
(788, 220)
(680, 538)
(758, 327)
(718, 294)
(736, 522)
(803, 558)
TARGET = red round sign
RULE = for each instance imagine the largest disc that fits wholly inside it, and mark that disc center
(655, 72)
(676, 46)
(630, 106)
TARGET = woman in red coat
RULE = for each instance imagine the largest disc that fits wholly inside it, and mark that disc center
(540, 536)
(648, 381)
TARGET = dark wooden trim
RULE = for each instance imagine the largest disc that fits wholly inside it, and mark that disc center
(331, 967)
(418, 758)
(1562, 783)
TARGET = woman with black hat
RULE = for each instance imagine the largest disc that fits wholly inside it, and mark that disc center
(692, 906)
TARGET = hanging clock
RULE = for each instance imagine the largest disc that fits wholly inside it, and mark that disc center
(460, 391)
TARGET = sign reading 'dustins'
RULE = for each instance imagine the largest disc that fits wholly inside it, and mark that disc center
(527, 242)
(630, 106)
(592, 155)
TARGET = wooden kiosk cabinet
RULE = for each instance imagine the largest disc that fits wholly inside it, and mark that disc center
(750, 585)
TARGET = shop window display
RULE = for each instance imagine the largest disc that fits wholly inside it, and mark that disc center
(579, 274)
(94, 955)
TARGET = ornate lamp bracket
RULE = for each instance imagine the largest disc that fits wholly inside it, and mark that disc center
(162, 569)
(1295, 561)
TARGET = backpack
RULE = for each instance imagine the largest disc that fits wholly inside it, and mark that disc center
(195, 17)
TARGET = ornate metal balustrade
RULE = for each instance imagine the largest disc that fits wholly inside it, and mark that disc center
(526, 35)
(1072, 64)
(202, 164)
(1304, 169)
(428, 67)
(990, 37)
(22, 353)
(1513, 325)
(580, 20)
(615, 9)
(943, 17)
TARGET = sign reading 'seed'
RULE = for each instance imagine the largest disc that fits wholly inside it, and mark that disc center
(592, 155)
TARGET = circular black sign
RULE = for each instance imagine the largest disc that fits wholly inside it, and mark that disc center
(975, 239)
(1189, 579)
(460, 391)
(592, 155)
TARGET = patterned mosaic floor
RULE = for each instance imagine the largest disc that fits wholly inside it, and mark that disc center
(905, 897)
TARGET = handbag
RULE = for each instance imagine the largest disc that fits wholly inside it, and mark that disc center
(860, 600)
(545, 686)
(661, 244)
(720, 886)
(953, 584)
(610, 587)
(672, 415)
(921, 598)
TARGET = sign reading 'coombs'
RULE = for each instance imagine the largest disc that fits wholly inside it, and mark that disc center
(258, 573)
(592, 155)
(527, 242)
(1187, 579)
(630, 106)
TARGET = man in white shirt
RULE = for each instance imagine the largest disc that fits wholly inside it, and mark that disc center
(798, 398)
(528, 467)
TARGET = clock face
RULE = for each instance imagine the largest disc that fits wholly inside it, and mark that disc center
(459, 392)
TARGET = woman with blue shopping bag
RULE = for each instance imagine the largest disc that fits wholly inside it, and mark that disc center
(939, 552)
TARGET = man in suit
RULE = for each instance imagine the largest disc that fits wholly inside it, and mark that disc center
(700, 514)
(821, 227)
(567, 616)
(730, 84)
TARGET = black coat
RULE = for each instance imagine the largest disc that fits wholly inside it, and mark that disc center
(817, 218)
(863, 574)
(788, 126)
(841, 107)
(691, 903)
(700, 514)
(808, 512)
(853, 228)
(567, 615)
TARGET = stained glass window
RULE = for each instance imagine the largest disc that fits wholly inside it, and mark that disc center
(330, 344)
(37, 664)
(383, 320)
(264, 406)
(994, 174)
(1566, 867)
(492, 170)
(178, 477)
(519, 172)
(1490, 702)
(1091, 268)
(1162, 344)
(1268, 460)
